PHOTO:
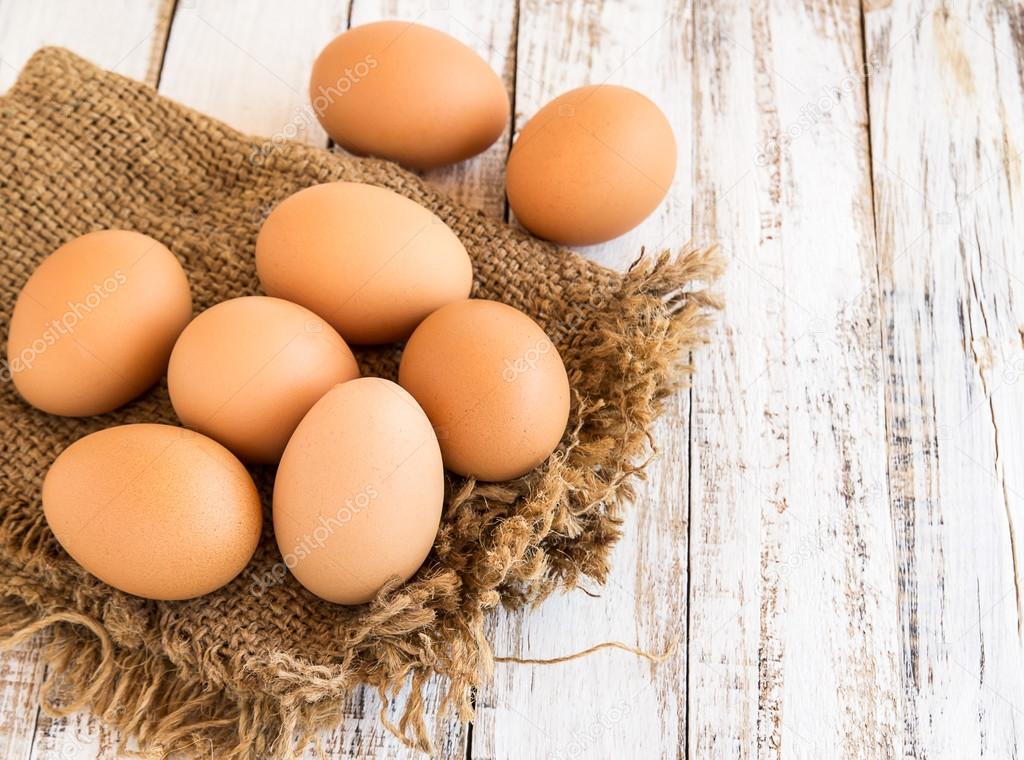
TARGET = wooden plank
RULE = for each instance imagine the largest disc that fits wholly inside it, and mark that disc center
(646, 46)
(213, 46)
(126, 36)
(251, 69)
(947, 117)
(610, 704)
(793, 641)
(490, 29)
(21, 674)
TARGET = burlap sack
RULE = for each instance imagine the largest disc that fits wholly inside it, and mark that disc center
(255, 668)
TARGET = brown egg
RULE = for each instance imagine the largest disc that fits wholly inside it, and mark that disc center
(153, 510)
(359, 491)
(94, 325)
(370, 262)
(409, 93)
(246, 371)
(492, 384)
(592, 164)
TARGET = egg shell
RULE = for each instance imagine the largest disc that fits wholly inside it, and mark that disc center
(359, 491)
(246, 371)
(590, 165)
(409, 93)
(94, 325)
(493, 386)
(369, 261)
(153, 510)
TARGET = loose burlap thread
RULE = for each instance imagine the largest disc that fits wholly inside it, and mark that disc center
(256, 669)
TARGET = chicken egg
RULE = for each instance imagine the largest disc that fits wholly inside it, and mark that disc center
(95, 323)
(153, 510)
(493, 386)
(359, 491)
(246, 371)
(590, 165)
(406, 92)
(369, 261)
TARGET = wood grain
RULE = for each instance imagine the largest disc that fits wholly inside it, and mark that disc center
(21, 675)
(610, 704)
(793, 642)
(126, 36)
(947, 128)
(249, 69)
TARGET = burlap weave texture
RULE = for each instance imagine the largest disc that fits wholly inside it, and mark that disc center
(254, 669)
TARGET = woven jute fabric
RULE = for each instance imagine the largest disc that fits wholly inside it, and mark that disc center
(257, 668)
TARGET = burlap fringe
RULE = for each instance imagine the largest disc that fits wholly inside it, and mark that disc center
(659, 322)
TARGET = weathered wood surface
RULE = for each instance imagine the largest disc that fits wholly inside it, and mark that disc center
(794, 649)
(948, 214)
(834, 525)
(610, 704)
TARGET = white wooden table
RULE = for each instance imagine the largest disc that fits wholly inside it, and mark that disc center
(834, 526)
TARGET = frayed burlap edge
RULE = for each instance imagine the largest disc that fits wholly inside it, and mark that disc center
(657, 324)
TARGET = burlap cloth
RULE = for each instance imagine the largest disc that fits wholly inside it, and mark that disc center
(254, 669)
